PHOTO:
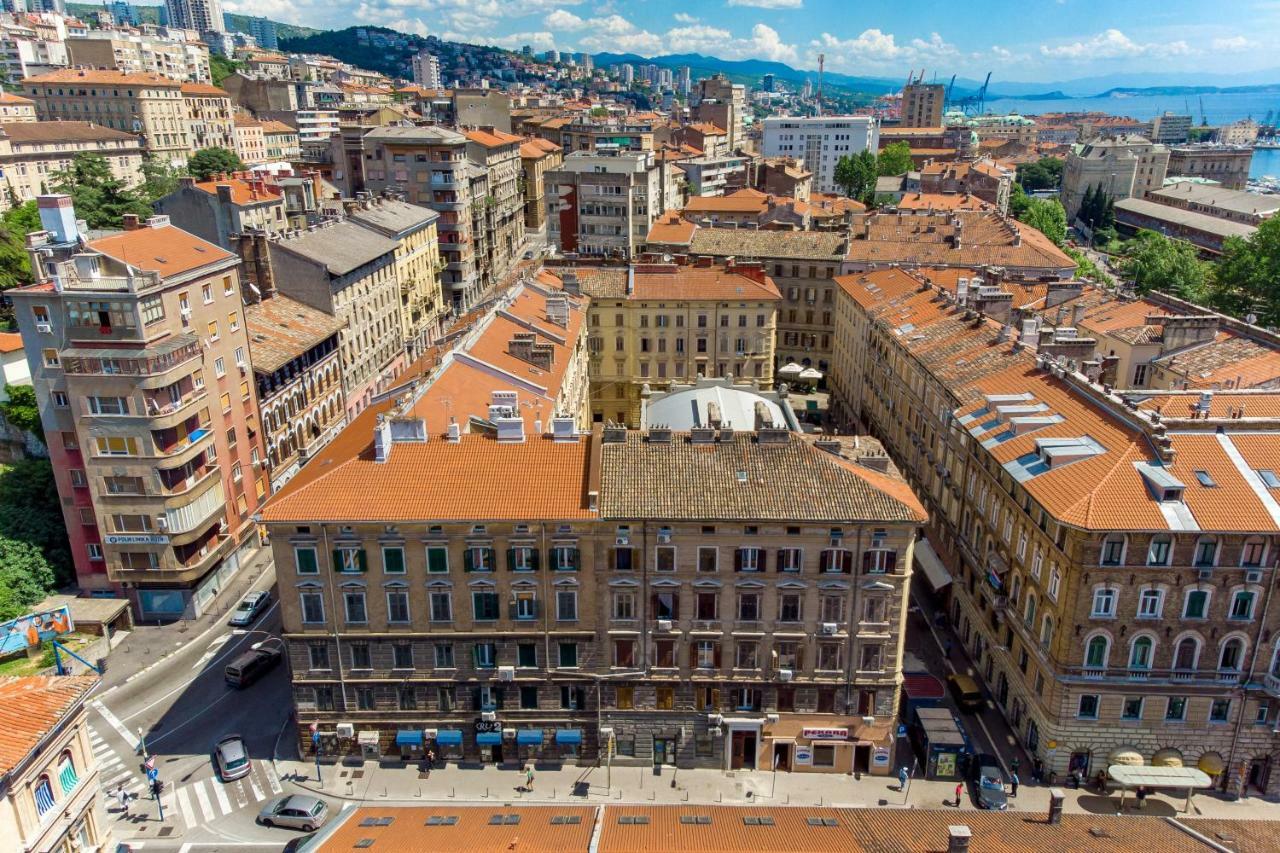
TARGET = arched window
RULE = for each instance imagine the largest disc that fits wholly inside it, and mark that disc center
(1206, 552)
(1140, 653)
(1096, 652)
(1113, 550)
(1150, 604)
(1232, 654)
(1275, 663)
(1030, 615)
(67, 778)
(44, 795)
(1046, 631)
(1014, 590)
(1158, 551)
(1187, 653)
(1253, 552)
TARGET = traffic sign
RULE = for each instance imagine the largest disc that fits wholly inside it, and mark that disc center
(315, 727)
(315, 738)
(150, 764)
(153, 774)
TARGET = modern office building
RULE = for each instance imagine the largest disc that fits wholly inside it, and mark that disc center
(820, 142)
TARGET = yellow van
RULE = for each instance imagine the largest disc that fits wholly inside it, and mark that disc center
(965, 691)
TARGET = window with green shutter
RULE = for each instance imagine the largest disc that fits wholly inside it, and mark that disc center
(305, 559)
(438, 559)
(350, 560)
(393, 560)
(522, 558)
(565, 558)
(478, 559)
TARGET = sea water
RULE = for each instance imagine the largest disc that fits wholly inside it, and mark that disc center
(1219, 108)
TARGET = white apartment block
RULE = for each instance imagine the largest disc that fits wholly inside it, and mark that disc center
(426, 70)
(820, 142)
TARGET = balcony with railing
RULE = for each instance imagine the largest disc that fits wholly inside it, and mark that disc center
(80, 275)
(156, 362)
(178, 445)
(1175, 675)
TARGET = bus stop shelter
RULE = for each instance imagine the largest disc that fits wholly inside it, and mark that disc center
(1128, 777)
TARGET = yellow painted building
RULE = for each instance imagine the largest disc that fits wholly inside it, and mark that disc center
(424, 310)
(659, 324)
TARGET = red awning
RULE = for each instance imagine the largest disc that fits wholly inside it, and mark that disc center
(922, 685)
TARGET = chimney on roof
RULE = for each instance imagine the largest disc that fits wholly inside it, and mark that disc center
(569, 282)
(129, 222)
(510, 429)
(1077, 313)
(828, 445)
(58, 217)
(454, 432)
(958, 838)
(1056, 798)
(563, 429)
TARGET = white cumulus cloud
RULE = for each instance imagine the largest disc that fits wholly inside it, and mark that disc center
(684, 18)
(1113, 44)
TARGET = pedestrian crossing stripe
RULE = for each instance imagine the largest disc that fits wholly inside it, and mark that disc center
(195, 806)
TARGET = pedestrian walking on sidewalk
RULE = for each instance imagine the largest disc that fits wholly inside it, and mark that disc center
(903, 775)
(528, 778)
(959, 793)
(1013, 784)
(123, 796)
(431, 760)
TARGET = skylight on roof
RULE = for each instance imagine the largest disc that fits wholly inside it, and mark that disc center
(1269, 478)
(1205, 479)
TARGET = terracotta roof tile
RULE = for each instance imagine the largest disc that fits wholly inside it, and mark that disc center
(165, 249)
(281, 329)
(671, 229)
(942, 201)
(659, 282)
(63, 132)
(10, 342)
(243, 191)
(411, 831)
(206, 89)
(492, 139)
(103, 77)
(31, 707)
(984, 239)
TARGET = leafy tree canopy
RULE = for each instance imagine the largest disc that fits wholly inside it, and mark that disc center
(100, 198)
(1046, 216)
(1154, 262)
(25, 577)
(208, 162)
(856, 175)
(21, 409)
(894, 159)
(31, 514)
(1044, 174)
(1248, 275)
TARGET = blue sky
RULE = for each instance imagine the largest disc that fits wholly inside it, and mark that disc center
(1023, 40)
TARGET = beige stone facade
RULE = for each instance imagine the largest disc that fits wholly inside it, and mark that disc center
(210, 117)
(1120, 166)
(146, 104)
(498, 216)
(31, 153)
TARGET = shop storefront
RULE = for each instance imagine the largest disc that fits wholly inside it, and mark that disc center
(826, 745)
(529, 743)
(411, 743)
(448, 744)
(568, 743)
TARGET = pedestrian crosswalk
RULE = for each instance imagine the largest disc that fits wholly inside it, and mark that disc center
(195, 803)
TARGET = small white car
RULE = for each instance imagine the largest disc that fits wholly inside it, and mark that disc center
(248, 610)
(298, 811)
(232, 758)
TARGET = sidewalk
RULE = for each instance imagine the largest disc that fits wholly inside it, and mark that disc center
(148, 645)
(372, 782)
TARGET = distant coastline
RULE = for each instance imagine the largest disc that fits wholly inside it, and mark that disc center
(1220, 107)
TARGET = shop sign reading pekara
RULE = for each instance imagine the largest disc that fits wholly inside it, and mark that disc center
(825, 734)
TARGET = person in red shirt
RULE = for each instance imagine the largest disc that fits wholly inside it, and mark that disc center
(959, 793)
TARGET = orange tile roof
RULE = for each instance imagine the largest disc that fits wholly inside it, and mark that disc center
(204, 89)
(165, 249)
(671, 229)
(11, 98)
(942, 201)
(706, 128)
(928, 239)
(273, 126)
(492, 139)
(1180, 404)
(534, 148)
(671, 282)
(103, 77)
(31, 707)
(410, 832)
(10, 342)
(243, 192)
(242, 120)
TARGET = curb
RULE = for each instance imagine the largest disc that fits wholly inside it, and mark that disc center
(181, 646)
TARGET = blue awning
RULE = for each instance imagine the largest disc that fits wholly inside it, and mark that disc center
(409, 737)
(449, 737)
(488, 738)
(529, 737)
(571, 737)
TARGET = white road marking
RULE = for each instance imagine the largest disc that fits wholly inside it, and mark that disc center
(166, 800)
(217, 643)
(258, 796)
(273, 780)
(205, 805)
(224, 802)
(115, 723)
(184, 806)
(242, 796)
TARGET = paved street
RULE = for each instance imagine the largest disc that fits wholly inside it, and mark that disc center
(183, 706)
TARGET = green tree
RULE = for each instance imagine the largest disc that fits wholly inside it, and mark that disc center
(856, 175)
(1248, 275)
(158, 179)
(221, 67)
(1154, 262)
(208, 162)
(25, 577)
(1044, 174)
(1086, 268)
(100, 198)
(894, 159)
(1018, 200)
(21, 409)
(31, 513)
(15, 264)
(1046, 216)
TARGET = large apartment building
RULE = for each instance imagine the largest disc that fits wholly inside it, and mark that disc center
(429, 166)
(210, 121)
(141, 53)
(922, 104)
(140, 361)
(31, 153)
(1112, 554)
(498, 215)
(659, 593)
(1120, 166)
(347, 271)
(654, 325)
(423, 309)
(820, 142)
(802, 265)
(146, 104)
(605, 203)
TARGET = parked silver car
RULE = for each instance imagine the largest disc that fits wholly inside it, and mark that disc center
(232, 758)
(297, 811)
(250, 608)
